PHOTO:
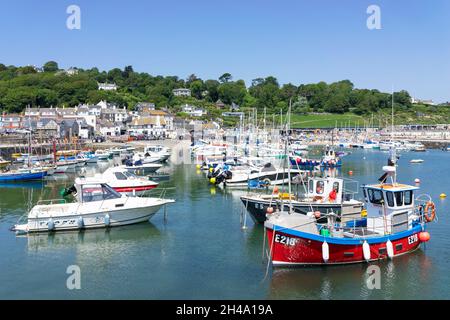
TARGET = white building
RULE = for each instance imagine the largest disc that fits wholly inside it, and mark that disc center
(419, 101)
(71, 71)
(193, 111)
(181, 92)
(156, 122)
(107, 86)
(108, 129)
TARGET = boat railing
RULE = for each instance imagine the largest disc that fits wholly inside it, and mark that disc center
(51, 201)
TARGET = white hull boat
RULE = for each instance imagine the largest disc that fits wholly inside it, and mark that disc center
(121, 181)
(98, 206)
(143, 169)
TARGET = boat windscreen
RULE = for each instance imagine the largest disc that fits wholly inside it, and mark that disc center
(98, 192)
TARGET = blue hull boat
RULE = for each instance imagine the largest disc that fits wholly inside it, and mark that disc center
(22, 176)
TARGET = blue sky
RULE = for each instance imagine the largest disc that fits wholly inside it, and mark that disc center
(295, 41)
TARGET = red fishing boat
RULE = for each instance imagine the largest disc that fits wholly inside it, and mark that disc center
(392, 224)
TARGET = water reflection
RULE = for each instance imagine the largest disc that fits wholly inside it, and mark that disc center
(91, 240)
(405, 277)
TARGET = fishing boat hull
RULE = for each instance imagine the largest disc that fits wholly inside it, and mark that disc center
(294, 248)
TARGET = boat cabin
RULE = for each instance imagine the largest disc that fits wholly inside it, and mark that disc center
(325, 189)
(94, 191)
(390, 207)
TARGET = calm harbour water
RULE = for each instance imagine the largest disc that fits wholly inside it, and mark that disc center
(201, 251)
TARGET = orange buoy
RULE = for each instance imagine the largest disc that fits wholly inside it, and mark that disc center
(269, 210)
(424, 236)
(350, 172)
(317, 214)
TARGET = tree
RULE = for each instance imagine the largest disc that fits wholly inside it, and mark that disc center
(127, 71)
(191, 79)
(230, 92)
(51, 66)
(212, 86)
(226, 77)
(197, 88)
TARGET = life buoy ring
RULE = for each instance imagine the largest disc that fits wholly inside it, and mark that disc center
(430, 211)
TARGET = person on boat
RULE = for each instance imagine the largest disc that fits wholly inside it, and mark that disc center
(332, 195)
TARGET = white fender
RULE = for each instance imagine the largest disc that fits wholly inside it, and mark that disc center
(366, 251)
(80, 222)
(107, 220)
(390, 249)
(50, 224)
(325, 251)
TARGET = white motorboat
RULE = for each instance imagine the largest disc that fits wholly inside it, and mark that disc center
(158, 151)
(101, 155)
(142, 158)
(98, 206)
(63, 166)
(416, 161)
(242, 176)
(143, 169)
(123, 181)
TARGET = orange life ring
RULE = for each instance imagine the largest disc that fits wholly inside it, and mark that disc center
(430, 211)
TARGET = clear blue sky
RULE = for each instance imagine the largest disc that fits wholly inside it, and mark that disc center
(295, 41)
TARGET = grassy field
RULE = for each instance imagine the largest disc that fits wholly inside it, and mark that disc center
(378, 120)
(326, 120)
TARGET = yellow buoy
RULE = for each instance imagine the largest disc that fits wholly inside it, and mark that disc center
(210, 169)
(212, 180)
(443, 195)
(363, 213)
(198, 166)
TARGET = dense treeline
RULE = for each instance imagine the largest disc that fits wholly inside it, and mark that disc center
(23, 86)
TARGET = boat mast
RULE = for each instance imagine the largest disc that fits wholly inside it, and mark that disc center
(393, 148)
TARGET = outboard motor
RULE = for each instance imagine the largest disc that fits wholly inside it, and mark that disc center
(68, 191)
